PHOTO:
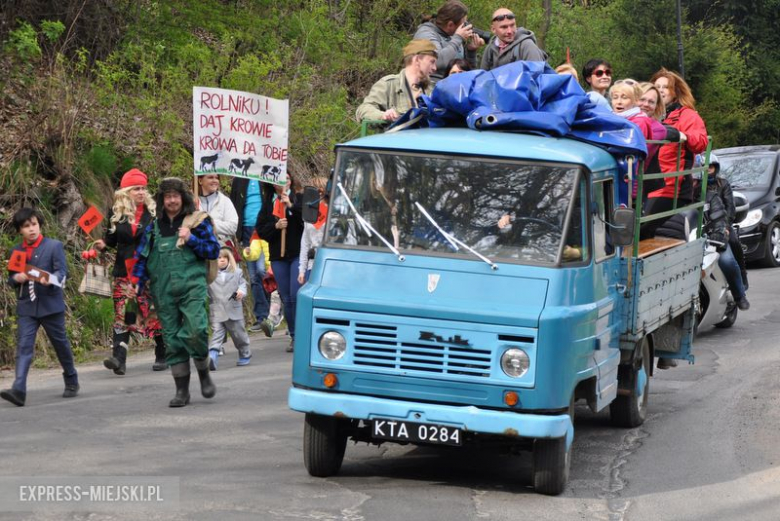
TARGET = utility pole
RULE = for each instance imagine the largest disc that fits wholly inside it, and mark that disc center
(679, 40)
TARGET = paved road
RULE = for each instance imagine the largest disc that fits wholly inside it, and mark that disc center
(709, 450)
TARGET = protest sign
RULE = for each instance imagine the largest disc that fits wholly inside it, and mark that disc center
(240, 134)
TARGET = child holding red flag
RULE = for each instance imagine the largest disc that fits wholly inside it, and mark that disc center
(40, 303)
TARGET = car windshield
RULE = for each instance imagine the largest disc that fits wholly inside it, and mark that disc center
(748, 171)
(504, 210)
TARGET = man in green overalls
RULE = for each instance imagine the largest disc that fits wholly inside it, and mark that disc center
(173, 255)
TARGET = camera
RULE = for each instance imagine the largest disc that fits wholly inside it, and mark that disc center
(485, 35)
(234, 296)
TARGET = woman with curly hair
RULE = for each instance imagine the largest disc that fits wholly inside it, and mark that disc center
(681, 115)
(134, 208)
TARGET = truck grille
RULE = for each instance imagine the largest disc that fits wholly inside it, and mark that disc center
(380, 346)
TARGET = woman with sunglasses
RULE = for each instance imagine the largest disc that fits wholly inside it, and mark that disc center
(598, 75)
(510, 43)
(680, 114)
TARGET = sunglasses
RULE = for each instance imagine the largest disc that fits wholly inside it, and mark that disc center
(502, 17)
(601, 72)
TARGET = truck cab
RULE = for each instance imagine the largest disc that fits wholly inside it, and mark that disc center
(470, 288)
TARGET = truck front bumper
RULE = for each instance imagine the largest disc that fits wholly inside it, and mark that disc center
(468, 418)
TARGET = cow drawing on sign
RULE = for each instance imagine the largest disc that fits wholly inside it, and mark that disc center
(271, 171)
(240, 164)
(205, 161)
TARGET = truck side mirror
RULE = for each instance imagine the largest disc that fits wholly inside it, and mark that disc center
(622, 226)
(311, 204)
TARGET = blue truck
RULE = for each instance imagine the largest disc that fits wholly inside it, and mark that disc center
(471, 287)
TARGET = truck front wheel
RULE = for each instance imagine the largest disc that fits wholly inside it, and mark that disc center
(324, 443)
(630, 407)
(552, 462)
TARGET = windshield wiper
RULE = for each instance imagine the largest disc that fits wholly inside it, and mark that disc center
(454, 240)
(366, 226)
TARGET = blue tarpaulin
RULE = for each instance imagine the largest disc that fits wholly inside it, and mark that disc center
(527, 97)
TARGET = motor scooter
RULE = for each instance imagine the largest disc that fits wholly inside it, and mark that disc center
(716, 305)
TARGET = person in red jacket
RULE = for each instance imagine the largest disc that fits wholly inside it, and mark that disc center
(680, 114)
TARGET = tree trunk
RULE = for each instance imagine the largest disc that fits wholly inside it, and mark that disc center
(542, 34)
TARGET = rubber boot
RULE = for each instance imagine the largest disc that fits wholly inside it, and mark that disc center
(118, 353)
(159, 354)
(122, 356)
(207, 387)
(181, 375)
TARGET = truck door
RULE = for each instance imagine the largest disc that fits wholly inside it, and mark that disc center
(605, 278)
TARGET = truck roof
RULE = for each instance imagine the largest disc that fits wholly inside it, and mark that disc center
(510, 145)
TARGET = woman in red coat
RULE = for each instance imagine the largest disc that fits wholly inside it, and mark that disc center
(680, 114)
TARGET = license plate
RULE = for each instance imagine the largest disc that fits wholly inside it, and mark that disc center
(416, 432)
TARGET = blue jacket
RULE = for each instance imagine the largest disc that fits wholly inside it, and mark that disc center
(49, 256)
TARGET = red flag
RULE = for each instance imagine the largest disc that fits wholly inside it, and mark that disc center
(90, 219)
(280, 209)
(254, 237)
(17, 262)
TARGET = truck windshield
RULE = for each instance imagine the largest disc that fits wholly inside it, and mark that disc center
(502, 209)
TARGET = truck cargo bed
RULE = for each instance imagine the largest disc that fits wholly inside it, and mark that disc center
(659, 287)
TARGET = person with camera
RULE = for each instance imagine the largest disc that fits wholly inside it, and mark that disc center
(452, 36)
(392, 96)
(510, 43)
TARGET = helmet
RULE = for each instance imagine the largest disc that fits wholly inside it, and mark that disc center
(715, 162)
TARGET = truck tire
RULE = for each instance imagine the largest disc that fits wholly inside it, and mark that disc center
(630, 409)
(324, 443)
(552, 463)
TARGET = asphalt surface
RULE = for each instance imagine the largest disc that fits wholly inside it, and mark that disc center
(709, 450)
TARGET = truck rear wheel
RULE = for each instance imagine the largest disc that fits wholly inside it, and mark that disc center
(552, 462)
(324, 443)
(630, 407)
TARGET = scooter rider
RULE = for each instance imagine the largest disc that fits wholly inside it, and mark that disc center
(727, 196)
(719, 213)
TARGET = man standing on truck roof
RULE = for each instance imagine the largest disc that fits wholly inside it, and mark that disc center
(510, 43)
(453, 36)
(392, 96)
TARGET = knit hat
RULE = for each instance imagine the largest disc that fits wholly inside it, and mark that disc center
(133, 177)
(174, 184)
(420, 47)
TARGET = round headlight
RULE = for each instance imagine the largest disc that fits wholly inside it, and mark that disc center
(515, 362)
(332, 345)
